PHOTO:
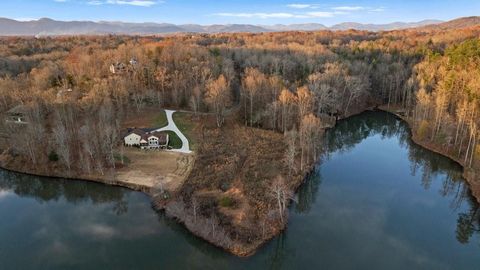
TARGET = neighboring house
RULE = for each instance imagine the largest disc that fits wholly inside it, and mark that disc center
(17, 115)
(133, 62)
(145, 140)
(64, 95)
(118, 68)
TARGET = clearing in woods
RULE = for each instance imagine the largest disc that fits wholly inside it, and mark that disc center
(158, 169)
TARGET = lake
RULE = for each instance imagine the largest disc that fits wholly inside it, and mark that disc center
(375, 201)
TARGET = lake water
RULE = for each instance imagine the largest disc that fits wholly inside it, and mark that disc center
(376, 201)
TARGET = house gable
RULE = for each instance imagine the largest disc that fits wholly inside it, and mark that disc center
(152, 137)
(132, 139)
(133, 136)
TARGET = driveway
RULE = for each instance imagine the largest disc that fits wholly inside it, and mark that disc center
(173, 127)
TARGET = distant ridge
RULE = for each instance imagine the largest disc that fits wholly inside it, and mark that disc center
(383, 27)
(296, 27)
(46, 26)
(456, 24)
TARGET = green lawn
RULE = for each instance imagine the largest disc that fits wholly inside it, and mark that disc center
(185, 124)
(173, 140)
(160, 120)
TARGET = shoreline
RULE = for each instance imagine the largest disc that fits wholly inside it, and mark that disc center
(467, 174)
(114, 183)
(249, 250)
(239, 249)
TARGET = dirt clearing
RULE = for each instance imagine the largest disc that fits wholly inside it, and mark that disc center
(155, 169)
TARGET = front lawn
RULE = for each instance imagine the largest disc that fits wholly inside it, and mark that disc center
(160, 120)
(186, 125)
(173, 140)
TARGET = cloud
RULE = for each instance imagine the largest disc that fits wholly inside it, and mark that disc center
(321, 14)
(381, 9)
(99, 231)
(349, 8)
(25, 19)
(260, 15)
(310, 11)
(299, 6)
(358, 8)
(4, 194)
(138, 3)
(95, 3)
(264, 15)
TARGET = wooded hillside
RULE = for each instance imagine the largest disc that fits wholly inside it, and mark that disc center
(291, 84)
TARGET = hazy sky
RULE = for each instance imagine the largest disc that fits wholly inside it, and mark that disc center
(240, 11)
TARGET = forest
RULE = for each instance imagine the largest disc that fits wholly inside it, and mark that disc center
(258, 92)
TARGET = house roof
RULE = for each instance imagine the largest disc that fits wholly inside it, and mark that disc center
(144, 133)
(118, 65)
(138, 131)
(162, 136)
(19, 109)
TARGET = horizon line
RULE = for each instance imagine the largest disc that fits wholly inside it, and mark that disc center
(154, 22)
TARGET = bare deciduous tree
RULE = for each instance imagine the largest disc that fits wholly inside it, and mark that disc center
(63, 146)
(310, 131)
(291, 151)
(281, 194)
(218, 97)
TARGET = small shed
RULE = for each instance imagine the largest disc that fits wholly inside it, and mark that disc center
(17, 114)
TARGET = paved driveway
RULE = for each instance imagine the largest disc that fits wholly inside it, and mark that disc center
(173, 127)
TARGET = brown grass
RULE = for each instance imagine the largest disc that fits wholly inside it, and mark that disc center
(240, 163)
(155, 168)
(149, 117)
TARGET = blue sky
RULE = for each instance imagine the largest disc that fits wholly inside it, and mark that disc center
(240, 11)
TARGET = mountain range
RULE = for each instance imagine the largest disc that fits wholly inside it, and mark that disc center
(46, 26)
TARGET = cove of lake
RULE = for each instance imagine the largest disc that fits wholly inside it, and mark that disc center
(375, 201)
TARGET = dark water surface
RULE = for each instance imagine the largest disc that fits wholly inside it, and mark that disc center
(377, 201)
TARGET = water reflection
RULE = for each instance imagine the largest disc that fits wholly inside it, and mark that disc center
(76, 192)
(351, 132)
(64, 224)
(468, 223)
(307, 193)
(376, 201)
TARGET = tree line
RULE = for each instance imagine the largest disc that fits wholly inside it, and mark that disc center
(292, 82)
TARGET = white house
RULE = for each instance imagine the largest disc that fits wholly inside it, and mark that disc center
(17, 115)
(120, 68)
(133, 61)
(154, 140)
(145, 140)
(117, 68)
(132, 139)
